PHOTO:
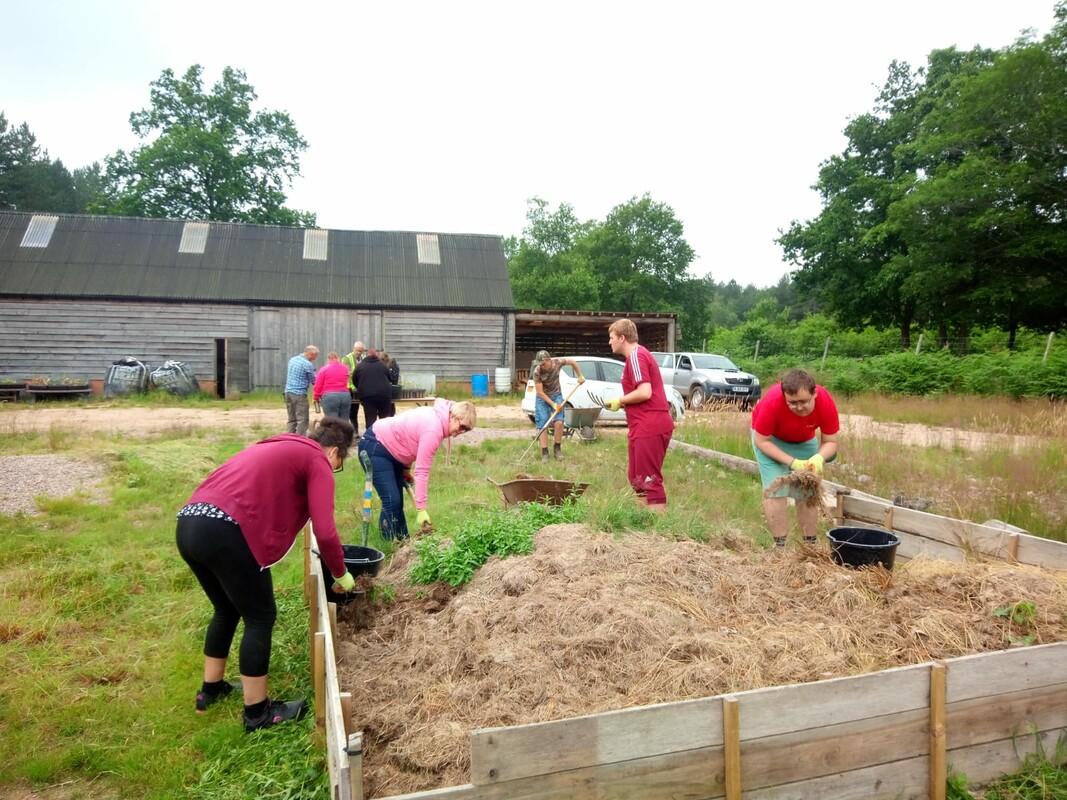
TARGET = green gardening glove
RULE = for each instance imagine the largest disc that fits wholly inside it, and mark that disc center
(422, 519)
(815, 464)
(346, 583)
(799, 464)
(614, 404)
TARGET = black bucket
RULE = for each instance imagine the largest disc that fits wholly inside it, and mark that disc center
(863, 547)
(359, 561)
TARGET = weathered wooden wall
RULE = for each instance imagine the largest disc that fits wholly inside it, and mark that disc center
(82, 338)
(279, 333)
(451, 344)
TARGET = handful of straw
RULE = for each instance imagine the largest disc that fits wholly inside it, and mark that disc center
(807, 487)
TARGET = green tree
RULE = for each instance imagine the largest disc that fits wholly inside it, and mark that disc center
(545, 268)
(858, 268)
(984, 218)
(29, 179)
(206, 155)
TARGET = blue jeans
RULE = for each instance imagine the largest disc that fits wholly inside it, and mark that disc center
(337, 404)
(542, 411)
(388, 476)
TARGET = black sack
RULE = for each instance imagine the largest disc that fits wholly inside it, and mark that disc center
(175, 377)
(126, 376)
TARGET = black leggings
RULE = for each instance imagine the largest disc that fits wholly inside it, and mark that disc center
(219, 557)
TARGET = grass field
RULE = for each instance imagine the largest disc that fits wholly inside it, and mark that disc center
(101, 623)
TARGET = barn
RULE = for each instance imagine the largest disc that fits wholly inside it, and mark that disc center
(235, 301)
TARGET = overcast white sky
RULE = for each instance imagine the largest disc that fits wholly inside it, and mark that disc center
(447, 116)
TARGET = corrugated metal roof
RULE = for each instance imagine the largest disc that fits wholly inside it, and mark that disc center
(114, 257)
(39, 231)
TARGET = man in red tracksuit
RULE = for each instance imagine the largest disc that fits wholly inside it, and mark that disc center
(647, 414)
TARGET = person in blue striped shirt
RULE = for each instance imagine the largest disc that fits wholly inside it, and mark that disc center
(300, 376)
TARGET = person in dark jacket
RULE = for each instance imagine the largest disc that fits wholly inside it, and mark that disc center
(392, 366)
(239, 522)
(375, 390)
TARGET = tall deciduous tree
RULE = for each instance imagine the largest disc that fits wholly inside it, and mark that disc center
(207, 155)
(29, 179)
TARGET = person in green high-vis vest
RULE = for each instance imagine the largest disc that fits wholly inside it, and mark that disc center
(350, 360)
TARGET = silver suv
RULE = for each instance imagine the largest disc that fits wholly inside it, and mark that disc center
(705, 377)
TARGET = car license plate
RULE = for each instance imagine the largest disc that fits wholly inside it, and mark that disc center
(741, 389)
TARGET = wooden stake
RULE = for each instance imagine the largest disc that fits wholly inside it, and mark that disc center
(1013, 548)
(731, 737)
(313, 611)
(887, 518)
(332, 608)
(839, 514)
(355, 765)
(307, 560)
(346, 711)
(318, 670)
(938, 766)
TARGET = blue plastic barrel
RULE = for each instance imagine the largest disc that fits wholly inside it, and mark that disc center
(480, 385)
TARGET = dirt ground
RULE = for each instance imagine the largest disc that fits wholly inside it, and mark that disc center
(141, 421)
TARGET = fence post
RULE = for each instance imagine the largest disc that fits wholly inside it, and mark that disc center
(919, 346)
(1048, 346)
(731, 735)
(825, 350)
(938, 766)
(756, 354)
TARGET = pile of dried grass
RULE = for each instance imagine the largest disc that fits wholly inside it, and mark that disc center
(589, 623)
(806, 486)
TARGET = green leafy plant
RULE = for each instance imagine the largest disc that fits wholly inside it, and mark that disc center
(454, 559)
(956, 787)
(1022, 614)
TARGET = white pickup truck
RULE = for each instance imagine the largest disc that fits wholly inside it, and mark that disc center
(705, 377)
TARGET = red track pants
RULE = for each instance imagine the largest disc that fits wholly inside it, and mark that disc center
(646, 467)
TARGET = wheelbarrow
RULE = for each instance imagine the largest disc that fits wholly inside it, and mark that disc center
(538, 490)
(581, 421)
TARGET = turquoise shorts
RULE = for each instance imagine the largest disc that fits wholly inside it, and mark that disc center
(770, 470)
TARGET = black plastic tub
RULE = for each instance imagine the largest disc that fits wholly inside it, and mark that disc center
(863, 547)
(359, 561)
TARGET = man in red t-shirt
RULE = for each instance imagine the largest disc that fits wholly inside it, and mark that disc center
(647, 414)
(784, 422)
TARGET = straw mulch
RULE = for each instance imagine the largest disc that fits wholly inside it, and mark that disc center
(590, 623)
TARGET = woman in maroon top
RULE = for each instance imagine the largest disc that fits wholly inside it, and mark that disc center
(784, 425)
(239, 522)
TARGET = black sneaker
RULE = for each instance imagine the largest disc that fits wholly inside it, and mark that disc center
(779, 541)
(811, 541)
(205, 699)
(558, 454)
(275, 712)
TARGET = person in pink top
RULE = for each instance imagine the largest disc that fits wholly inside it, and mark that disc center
(396, 444)
(331, 388)
(784, 425)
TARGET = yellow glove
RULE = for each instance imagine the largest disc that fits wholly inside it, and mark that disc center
(815, 464)
(346, 583)
(556, 408)
(798, 464)
(614, 404)
(581, 379)
(423, 518)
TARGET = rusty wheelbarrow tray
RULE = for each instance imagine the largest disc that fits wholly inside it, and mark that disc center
(538, 490)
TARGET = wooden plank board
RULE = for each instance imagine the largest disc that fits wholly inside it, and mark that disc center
(1006, 671)
(1002, 716)
(504, 754)
(986, 762)
(970, 536)
(816, 752)
(912, 546)
(727, 460)
(688, 775)
(899, 780)
(784, 709)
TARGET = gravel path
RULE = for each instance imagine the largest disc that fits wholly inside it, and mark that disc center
(27, 477)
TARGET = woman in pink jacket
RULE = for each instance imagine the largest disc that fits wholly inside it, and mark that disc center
(331, 388)
(394, 444)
